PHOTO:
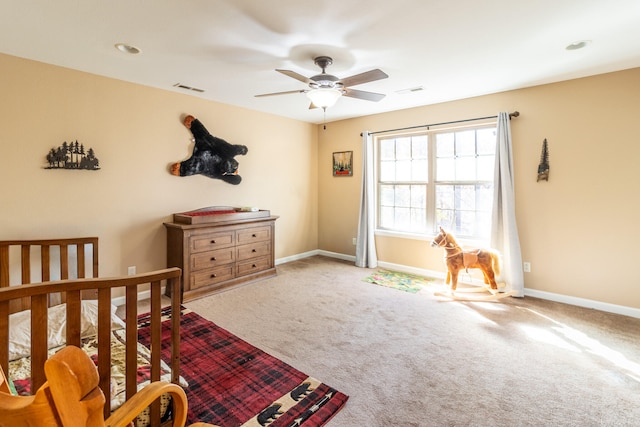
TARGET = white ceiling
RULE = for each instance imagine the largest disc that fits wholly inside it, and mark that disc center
(230, 48)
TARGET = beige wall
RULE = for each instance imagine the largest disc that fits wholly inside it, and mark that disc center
(579, 230)
(136, 132)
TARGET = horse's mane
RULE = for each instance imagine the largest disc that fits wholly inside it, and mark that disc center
(451, 239)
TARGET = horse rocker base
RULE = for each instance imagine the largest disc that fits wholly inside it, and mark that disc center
(471, 294)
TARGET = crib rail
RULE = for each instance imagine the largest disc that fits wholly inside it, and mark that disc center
(38, 294)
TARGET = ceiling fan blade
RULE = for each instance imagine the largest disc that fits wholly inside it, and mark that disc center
(280, 93)
(295, 75)
(361, 94)
(366, 77)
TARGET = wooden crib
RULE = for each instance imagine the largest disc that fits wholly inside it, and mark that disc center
(68, 270)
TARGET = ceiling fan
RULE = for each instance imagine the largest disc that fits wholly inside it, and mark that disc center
(325, 89)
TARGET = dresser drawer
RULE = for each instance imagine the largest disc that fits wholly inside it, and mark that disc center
(252, 266)
(211, 276)
(253, 251)
(208, 242)
(212, 258)
(255, 234)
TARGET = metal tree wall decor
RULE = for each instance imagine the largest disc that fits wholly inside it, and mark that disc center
(72, 155)
(543, 167)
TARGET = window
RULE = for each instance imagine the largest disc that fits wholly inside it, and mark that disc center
(437, 178)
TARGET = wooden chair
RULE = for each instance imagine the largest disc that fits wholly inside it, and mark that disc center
(71, 398)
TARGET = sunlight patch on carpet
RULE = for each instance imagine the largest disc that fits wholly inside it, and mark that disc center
(403, 281)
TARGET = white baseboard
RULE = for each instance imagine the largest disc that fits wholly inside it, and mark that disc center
(583, 302)
(297, 257)
(118, 301)
(566, 299)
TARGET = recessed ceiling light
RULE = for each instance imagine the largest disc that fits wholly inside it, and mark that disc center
(578, 45)
(127, 48)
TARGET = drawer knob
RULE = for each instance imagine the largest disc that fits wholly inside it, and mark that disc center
(214, 275)
(213, 241)
(253, 266)
(253, 250)
(213, 258)
(253, 235)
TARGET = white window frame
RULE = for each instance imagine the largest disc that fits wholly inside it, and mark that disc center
(430, 184)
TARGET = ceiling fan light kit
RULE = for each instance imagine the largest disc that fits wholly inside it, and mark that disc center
(324, 98)
(325, 89)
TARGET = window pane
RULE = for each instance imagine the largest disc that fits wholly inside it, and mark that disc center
(387, 196)
(466, 143)
(465, 223)
(445, 169)
(444, 219)
(445, 197)
(403, 170)
(418, 197)
(386, 217)
(465, 169)
(419, 147)
(403, 195)
(465, 197)
(444, 144)
(387, 171)
(418, 220)
(484, 198)
(403, 148)
(403, 219)
(387, 149)
(419, 169)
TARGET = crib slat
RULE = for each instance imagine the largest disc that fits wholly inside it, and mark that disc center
(131, 350)
(39, 341)
(64, 261)
(174, 284)
(45, 262)
(80, 260)
(25, 262)
(4, 336)
(104, 345)
(156, 338)
(4, 266)
(74, 309)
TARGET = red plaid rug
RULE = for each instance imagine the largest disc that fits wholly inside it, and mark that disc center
(232, 383)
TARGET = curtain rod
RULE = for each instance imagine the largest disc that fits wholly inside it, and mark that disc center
(511, 115)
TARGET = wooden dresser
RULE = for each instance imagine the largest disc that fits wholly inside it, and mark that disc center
(219, 255)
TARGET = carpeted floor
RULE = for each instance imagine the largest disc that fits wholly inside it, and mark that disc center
(416, 360)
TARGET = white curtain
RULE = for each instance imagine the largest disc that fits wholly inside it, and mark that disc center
(504, 230)
(366, 244)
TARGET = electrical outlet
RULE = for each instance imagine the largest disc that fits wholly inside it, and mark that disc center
(526, 266)
(353, 241)
(131, 270)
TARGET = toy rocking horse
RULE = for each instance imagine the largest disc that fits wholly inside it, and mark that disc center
(456, 259)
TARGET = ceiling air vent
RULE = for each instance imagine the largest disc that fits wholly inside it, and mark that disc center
(410, 90)
(181, 86)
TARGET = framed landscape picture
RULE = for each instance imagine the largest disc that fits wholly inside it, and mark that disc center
(343, 163)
